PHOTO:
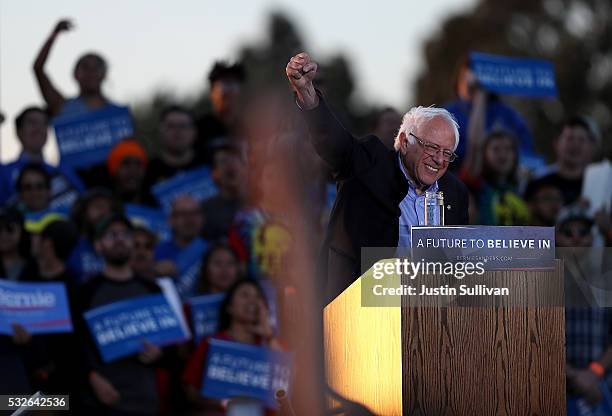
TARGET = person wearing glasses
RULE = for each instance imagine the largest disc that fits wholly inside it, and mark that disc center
(127, 385)
(381, 192)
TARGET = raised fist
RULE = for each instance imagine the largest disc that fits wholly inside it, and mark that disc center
(63, 25)
(301, 70)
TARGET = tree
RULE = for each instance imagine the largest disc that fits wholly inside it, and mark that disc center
(265, 66)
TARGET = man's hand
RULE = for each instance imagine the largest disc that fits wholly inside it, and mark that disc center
(63, 25)
(103, 389)
(150, 353)
(587, 384)
(261, 327)
(166, 268)
(301, 71)
(21, 336)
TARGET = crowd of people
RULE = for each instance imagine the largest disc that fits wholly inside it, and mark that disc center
(59, 224)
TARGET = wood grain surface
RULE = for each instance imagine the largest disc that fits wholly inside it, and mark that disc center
(483, 360)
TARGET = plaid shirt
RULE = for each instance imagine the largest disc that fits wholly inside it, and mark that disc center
(588, 332)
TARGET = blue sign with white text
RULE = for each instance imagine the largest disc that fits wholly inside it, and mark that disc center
(514, 76)
(205, 315)
(197, 182)
(120, 328)
(498, 248)
(85, 140)
(40, 308)
(240, 370)
(151, 218)
(188, 265)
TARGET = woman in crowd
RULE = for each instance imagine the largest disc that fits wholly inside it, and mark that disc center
(33, 190)
(491, 172)
(243, 318)
(219, 271)
(14, 244)
(14, 253)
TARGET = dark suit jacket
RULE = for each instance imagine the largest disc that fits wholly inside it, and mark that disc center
(370, 188)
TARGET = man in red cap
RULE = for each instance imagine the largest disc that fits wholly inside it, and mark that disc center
(127, 165)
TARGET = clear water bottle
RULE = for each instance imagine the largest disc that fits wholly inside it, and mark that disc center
(434, 208)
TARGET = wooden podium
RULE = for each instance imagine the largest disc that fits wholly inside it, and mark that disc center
(451, 360)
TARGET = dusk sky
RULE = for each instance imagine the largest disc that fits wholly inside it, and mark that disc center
(162, 44)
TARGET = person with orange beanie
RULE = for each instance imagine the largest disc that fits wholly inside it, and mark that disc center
(127, 165)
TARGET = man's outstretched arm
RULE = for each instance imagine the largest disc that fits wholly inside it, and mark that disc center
(331, 140)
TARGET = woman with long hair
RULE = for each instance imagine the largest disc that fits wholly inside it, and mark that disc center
(243, 318)
(491, 172)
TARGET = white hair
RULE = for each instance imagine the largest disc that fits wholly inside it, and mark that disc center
(417, 116)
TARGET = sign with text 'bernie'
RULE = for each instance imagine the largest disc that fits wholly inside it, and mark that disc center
(514, 76)
(239, 370)
(39, 307)
(120, 328)
(85, 140)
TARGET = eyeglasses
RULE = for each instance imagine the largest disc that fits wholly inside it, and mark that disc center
(433, 149)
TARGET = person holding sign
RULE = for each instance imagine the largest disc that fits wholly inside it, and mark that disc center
(89, 72)
(177, 135)
(31, 126)
(180, 257)
(243, 318)
(381, 192)
(478, 112)
(127, 384)
(53, 354)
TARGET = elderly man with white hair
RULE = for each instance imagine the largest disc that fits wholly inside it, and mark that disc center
(381, 192)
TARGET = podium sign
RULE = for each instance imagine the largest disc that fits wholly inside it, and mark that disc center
(479, 356)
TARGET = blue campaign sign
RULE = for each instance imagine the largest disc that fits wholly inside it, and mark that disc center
(39, 307)
(85, 140)
(241, 370)
(197, 182)
(270, 293)
(205, 315)
(330, 195)
(120, 328)
(514, 76)
(152, 218)
(498, 248)
(188, 265)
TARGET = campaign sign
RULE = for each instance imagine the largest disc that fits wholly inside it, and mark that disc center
(151, 218)
(330, 195)
(41, 308)
(514, 76)
(197, 182)
(188, 265)
(205, 315)
(169, 290)
(240, 370)
(270, 293)
(498, 248)
(85, 140)
(120, 328)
